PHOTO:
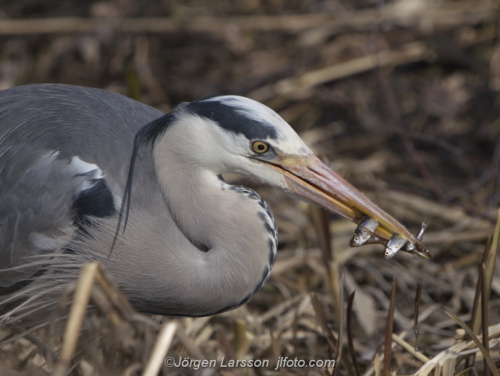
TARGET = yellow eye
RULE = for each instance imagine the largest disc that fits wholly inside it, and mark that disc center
(260, 147)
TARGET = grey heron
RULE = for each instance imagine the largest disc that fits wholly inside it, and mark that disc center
(73, 159)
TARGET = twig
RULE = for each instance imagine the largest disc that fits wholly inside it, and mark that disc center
(160, 349)
(350, 336)
(457, 351)
(443, 17)
(417, 354)
(276, 352)
(190, 345)
(477, 342)
(409, 53)
(416, 309)
(494, 176)
(389, 331)
(77, 313)
(340, 339)
(485, 293)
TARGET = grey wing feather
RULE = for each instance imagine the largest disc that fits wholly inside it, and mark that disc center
(35, 212)
(43, 128)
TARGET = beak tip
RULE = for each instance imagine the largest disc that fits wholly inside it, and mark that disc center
(425, 255)
(422, 251)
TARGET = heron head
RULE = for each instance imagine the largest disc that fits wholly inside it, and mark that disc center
(237, 134)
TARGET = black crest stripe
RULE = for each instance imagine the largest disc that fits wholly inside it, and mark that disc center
(233, 119)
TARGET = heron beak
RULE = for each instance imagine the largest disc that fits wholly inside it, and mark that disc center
(316, 182)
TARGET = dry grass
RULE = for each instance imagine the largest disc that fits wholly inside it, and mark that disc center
(403, 98)
(114, 339)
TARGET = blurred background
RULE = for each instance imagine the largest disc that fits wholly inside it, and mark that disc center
(401, 97)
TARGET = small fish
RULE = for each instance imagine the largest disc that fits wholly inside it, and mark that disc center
(425, 223)
(395, 243)
(410, 247)
(363, 232)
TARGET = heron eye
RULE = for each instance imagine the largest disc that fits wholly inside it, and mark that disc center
(260, 147)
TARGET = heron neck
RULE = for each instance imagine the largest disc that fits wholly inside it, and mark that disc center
(230, 227)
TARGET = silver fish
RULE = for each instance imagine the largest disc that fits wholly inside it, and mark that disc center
(395, 243)
(423, 227)
(363, 232)
(410, 247)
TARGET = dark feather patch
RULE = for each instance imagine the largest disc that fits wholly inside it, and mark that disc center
(151, 131)
(96, 201)
(270, 229)
(231, 119)
(272, 252)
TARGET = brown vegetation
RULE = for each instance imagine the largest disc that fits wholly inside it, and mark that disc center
(402, 97)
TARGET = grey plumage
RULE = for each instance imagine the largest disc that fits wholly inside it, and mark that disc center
(37, 185)
(38, 189)
(72, 159)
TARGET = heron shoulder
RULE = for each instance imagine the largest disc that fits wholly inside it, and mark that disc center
(38, 206)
